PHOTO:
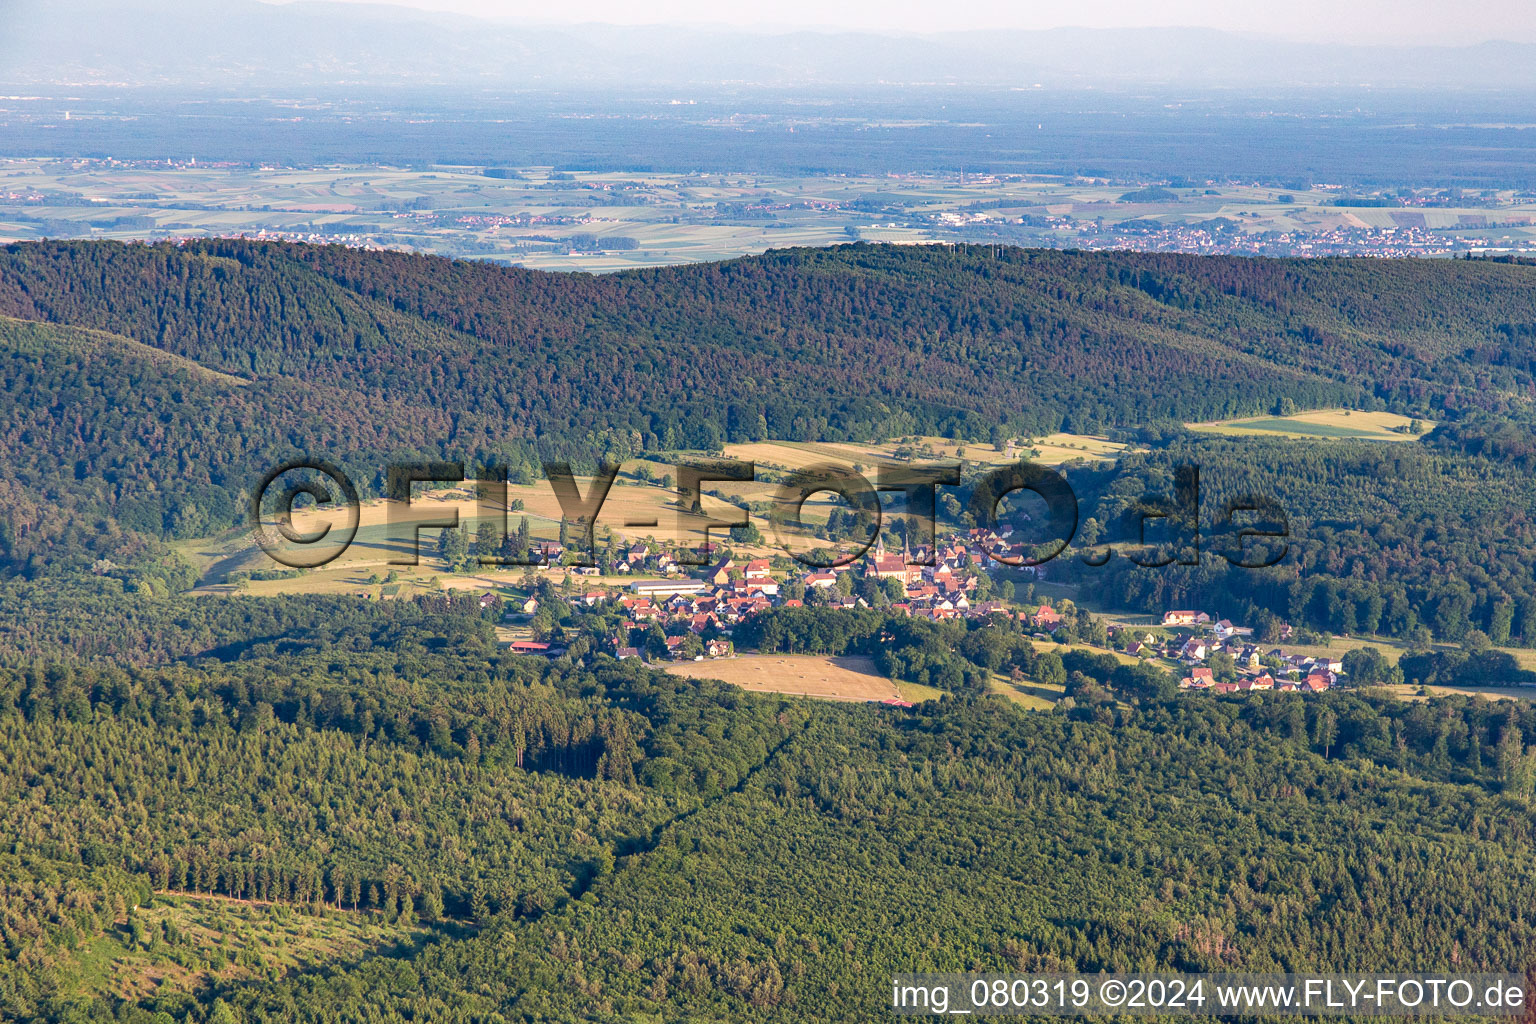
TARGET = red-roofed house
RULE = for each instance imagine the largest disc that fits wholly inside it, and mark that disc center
(1184, 618)
(528, 647)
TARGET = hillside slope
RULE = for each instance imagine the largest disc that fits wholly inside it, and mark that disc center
(1023, 336)
(358, 355)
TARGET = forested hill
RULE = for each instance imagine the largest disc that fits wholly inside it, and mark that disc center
(283, 349)
(818, 341)
(370, 810)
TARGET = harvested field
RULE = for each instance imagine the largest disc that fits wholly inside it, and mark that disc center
(800, 675)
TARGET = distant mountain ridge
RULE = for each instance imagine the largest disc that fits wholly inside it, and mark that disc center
(243, 42)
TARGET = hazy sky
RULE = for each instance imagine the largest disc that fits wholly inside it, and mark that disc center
(1456, 21)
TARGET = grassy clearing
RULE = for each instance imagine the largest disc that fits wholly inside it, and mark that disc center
(1120, 656)
(1393, 650)
(632, 511)
(785, 454)
(1028, 694)
(183, 943)
(1422, 693)
(385, 527)
(800, 675)
(1058, 448)
(625, 502)
(1339, 646)
(1053, 450)
(917, 692)
(1320, 423)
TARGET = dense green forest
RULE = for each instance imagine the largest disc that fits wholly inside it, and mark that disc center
(1407, 540)
(359, 354)
(146, 388)
(613, 843)
(584, 839)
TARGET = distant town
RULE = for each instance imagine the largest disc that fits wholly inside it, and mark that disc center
(603, 220)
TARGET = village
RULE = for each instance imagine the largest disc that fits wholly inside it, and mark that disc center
(1254, 668)
(692, 617)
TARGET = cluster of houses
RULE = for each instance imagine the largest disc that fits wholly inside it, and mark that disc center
(945, 589)
(700, 612)
(677, 649)
(727, 594)
(731, 591)
(637, 558)
(1257, 669)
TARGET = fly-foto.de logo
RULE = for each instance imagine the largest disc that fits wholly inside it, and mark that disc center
(1154, 530)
